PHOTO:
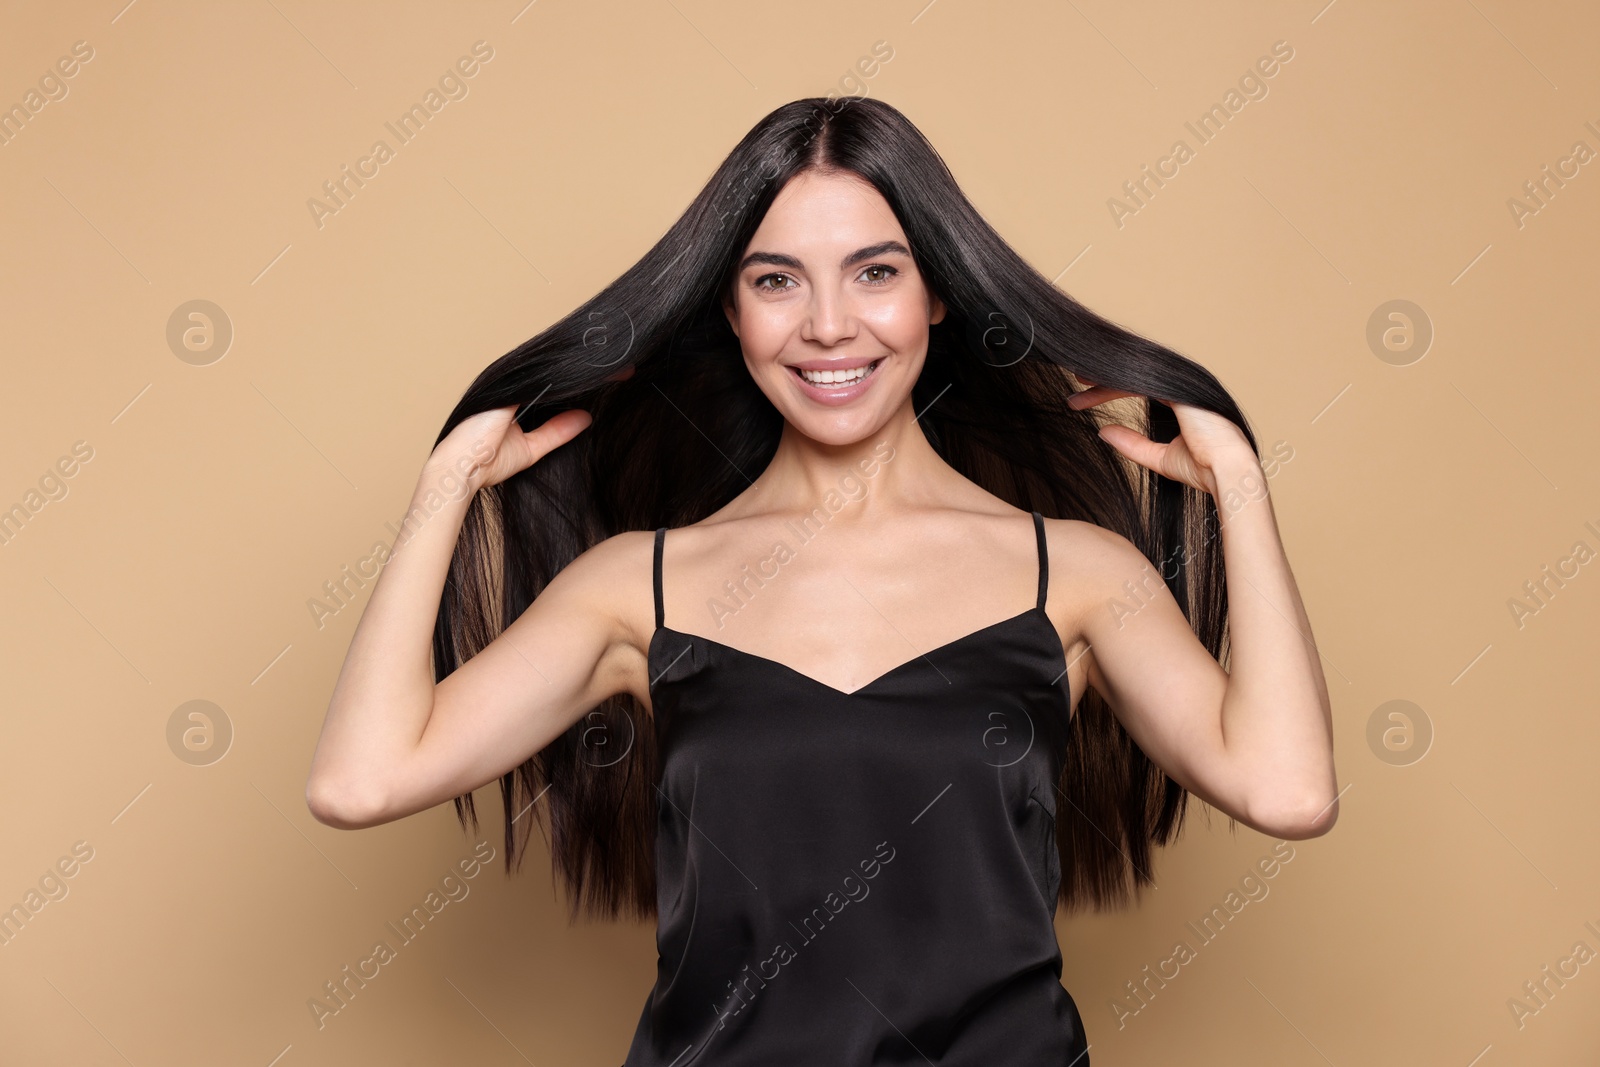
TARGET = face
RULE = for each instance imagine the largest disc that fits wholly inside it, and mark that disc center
(830, 309)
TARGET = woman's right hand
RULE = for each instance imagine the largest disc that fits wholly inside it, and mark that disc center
(489, 447)
(371, 760)
(395, 740)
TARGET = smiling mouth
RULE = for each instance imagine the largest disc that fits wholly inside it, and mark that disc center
(837, 379)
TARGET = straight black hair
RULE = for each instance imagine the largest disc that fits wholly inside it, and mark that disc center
(681, 437)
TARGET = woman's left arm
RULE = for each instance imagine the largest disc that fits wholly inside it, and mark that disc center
(1256, 740)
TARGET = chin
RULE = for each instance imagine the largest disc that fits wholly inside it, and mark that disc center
(839, 428)
(837, 437)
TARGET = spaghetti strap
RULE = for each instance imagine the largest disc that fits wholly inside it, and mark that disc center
(1044, 558)
(661, 612)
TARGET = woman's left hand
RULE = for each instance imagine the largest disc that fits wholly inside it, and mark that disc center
(1206, 443)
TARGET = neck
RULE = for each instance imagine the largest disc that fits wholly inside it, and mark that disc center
(856, 481)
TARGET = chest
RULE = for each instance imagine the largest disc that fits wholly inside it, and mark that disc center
(990, 706)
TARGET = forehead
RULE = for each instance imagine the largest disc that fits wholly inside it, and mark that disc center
(825, 212)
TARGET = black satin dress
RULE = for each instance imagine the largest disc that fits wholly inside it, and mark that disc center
(866, 877)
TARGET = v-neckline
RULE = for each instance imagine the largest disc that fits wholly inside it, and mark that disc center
(885, 676)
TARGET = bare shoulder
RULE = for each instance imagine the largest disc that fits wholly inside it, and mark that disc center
(609, 584)
(1090, 566)
(613, 558)
(600, 605)
(1089, 546)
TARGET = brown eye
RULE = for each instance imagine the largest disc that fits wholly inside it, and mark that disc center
(883, 267)
(770, 288)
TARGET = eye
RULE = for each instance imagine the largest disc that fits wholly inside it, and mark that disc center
(884, 267)
(771, 288)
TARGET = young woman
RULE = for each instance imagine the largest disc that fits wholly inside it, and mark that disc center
(825, 614)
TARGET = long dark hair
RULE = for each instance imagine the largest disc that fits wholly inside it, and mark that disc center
(682, 436)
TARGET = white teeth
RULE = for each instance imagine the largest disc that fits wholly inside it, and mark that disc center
(837, 377)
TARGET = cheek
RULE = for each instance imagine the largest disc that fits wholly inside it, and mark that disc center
(900, 325)
(764, 331)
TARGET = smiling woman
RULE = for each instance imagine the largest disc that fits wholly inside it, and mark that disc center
(937, 669)
(866, 316)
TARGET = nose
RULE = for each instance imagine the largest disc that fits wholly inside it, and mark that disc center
(829, 317)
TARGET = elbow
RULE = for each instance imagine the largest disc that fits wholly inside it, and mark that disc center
(1297, 820)
(341, 807)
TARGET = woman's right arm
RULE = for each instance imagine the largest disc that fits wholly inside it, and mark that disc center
(394, 743)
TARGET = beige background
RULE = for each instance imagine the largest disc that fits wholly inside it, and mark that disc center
(1379, 166)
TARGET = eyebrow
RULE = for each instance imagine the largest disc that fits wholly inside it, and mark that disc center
(779, 259)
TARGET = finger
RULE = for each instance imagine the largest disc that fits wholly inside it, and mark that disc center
(1136, 446)
(492, 422)
(622, 375)
(557, 430)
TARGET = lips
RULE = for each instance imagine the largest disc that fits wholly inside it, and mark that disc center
(835, 381)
